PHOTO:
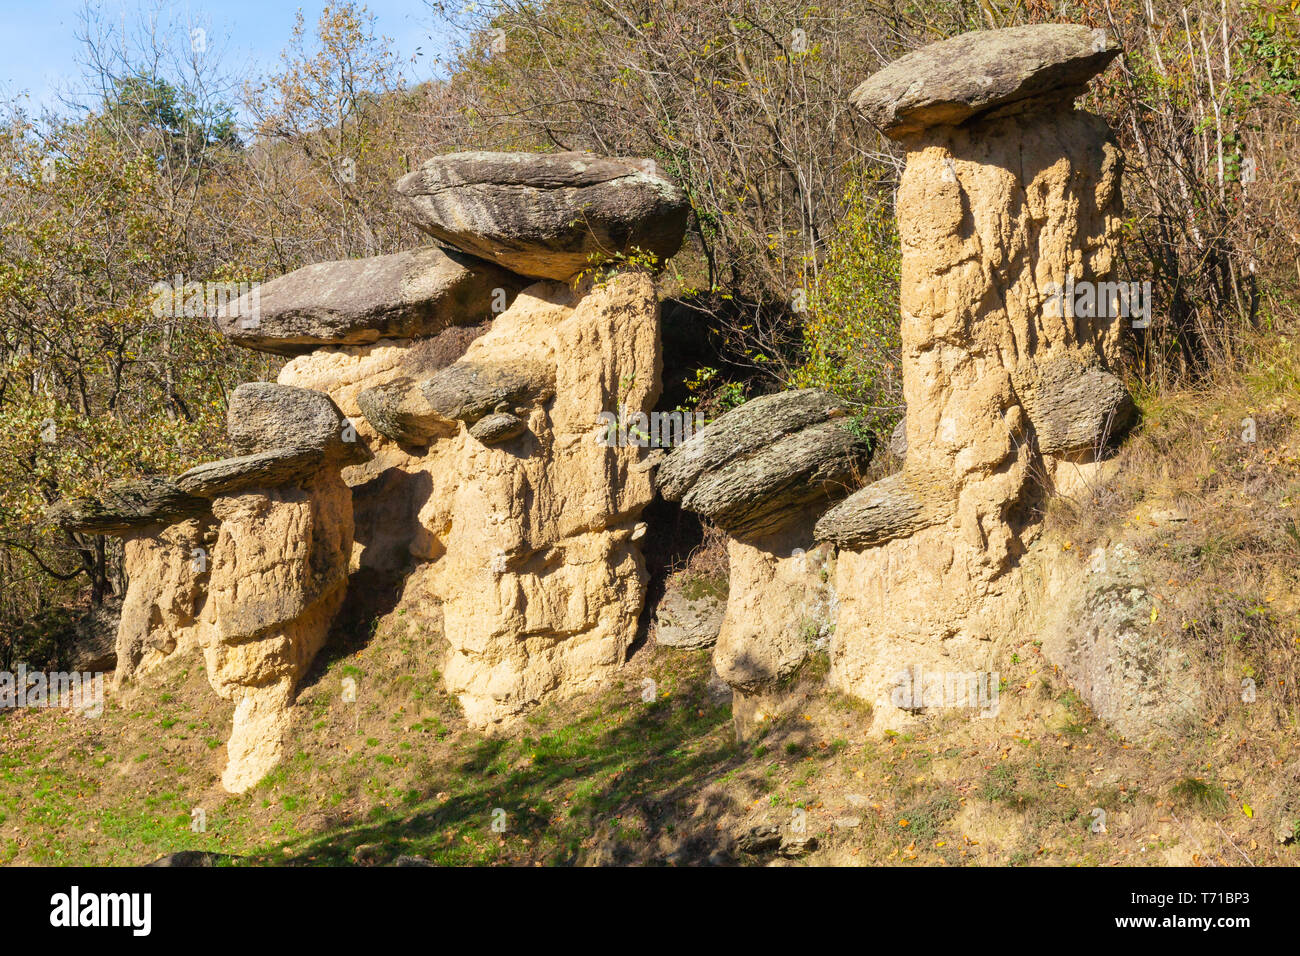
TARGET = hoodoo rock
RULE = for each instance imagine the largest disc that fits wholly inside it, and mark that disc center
(279, 573)
(280, 561)
(1008, 193)
(549, 216)
(524, 527)
(491, 507)
(358, 301)
(948, 83)
(436, 442)
(764, 472)
(246, 558)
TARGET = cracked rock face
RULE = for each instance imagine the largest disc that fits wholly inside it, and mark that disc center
(1006, 396)
(545, 215)
(410, 294)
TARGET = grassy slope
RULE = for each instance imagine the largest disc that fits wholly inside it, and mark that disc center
(610, 778)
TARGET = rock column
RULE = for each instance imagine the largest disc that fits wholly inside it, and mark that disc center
(764, 472)
(1009, 195)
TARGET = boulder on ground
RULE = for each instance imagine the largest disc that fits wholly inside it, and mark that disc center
(946, 83)
(1097, 625)
(690, 613)
(545, 215)
(412, 294)
(195, 858)
(94, 646)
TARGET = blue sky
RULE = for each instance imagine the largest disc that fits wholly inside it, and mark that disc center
(39, 50)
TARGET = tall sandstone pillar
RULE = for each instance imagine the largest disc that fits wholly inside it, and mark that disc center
(1009, 194)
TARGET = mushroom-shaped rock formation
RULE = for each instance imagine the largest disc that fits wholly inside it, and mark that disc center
(1009, 194)
(496, 513)
(754, 469)
(469, 483)
(406, 295)
(246, 558)
(280, 562)
(550, 215)
(764, 472)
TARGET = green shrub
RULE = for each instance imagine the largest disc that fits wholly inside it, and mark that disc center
(850, 328)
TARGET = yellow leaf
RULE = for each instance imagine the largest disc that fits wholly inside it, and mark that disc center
(1245, 808)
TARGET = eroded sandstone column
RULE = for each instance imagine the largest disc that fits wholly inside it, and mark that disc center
(166, 535)
(1009, 192)
(490, 501)
(531, 529)
(167, 572)
(763, 473)
(245, 557)
(280, 562)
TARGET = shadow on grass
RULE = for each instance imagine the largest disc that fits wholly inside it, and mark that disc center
(553, 798)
